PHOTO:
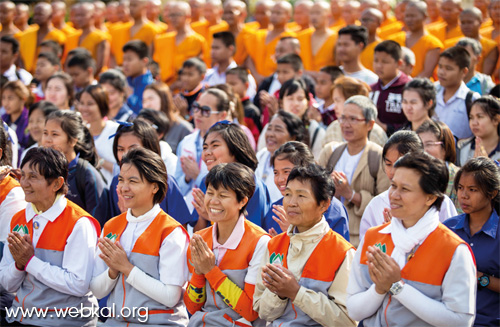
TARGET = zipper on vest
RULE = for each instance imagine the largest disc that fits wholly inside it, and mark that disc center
(27, 277)
(213, 295)
(385, 311)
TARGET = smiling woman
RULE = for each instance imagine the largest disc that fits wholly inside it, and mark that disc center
(144, 247)
(224, 258)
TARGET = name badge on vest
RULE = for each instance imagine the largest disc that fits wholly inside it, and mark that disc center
(36, 225)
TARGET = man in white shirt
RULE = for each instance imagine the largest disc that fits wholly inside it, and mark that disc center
(9, 52)
(350, 43)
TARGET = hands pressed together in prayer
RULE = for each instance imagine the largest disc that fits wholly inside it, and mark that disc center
(190, 168)
(202, 258)
(280, 281)
(280, 218)
(384, 270)
(21, 248)
(199, 203)
(115, 257)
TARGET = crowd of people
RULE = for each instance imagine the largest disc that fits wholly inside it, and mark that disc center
(209, 163)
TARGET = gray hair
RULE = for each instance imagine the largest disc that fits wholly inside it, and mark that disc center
(408, 56)
(365, 104)
(474, 44)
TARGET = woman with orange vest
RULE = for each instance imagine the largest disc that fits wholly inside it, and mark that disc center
(50, 254)
(413, 270)
(304, 271)
(224, 259)
(141, 259)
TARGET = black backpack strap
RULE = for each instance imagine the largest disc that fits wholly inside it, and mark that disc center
(468, 102)
(373, 163)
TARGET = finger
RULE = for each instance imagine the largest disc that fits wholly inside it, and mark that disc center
(275, 271)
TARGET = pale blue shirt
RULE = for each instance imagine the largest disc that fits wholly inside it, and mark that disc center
(454, 112)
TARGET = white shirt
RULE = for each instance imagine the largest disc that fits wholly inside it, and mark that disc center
(364, 75)
(169, 158)
(347, 163)
(265, 172)
(104, 147)
(13, 202)
(275, 85)
(232, 243)
(23, 74)
(374, 212)
(75, 273)
(454, 112)
(172, 266)
(212, 77)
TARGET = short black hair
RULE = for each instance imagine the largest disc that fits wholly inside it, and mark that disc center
(459, 55)
(49, 163)
(11, 40)
(54, 46)
(151, 168)
(390, 47)
(196, 63)
(138, 47)
(237, 143)
(292, 59)
(240, 72)
(487, 176)
(115, 78)
(143, 131)
(68, 84)
(433, 173)
(321, 181)
(294, 125)
(157, 118)
(226, 37)
(50, 57)
(82, 60)
(490, 106)
(334, 72)
(359, 34)
(233, 176)
(404, 142)
(46, 107)
(425, 89)
(296, 152)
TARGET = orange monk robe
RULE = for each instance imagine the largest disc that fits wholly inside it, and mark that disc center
(68, 30)
(90, 42)
(170, 56)
(243, 42)
(486, 43)
(366, 56)
(70, 24)
(221, 27)
(338, 24)
(294, 27)
(389, 30)
(487, 23)
(263, 54)
(253, 25)
(420, 49)
(28, 49)
(388, 21)
(439, 31)
(163, 27)
(121, 35)
(203, 28)
(325, 55)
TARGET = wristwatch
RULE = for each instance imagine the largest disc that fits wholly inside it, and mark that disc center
(483, 281)
(396, 288)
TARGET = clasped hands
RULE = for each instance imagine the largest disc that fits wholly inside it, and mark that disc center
(384, 270)
(115, 258)
(202, 258)
(280, 281)
(21, 248)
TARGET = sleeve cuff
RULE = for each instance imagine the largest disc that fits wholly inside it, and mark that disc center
(131, 276)
(300, 296)
(373, 293)
(33, 266)
(197, 280)
(215, 277)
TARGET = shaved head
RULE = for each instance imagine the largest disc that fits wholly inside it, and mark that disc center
(285, 5)
(476, 12)
(320, 13)
(287, 45)
(373, 13)
(7, 13)
(42, 13)
(365, 4)
(421, 6)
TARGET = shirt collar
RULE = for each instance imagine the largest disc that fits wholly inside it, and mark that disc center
(234, 239)
(51, 214)
(490, 227)
(461, 92)
(147, 216)
(317, 231)
(11, 72)
(388, 85)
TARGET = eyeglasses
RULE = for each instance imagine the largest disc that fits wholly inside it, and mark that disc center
(431, 144)
(351, 120)
(206, 111)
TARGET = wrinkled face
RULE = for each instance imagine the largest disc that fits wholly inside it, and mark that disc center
(35, 186)
(471, 197)
(408, 201)
(277, 134)
(355, 127)
(481, 124)
(57, 93)
(222, 204)
(301, 207)
(54, 137)
(216, 151)
(432, 145)
(296, 103)
(136, 191)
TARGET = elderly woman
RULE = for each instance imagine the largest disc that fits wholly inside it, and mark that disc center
(51, 244)
(357, 166)
(413, 271)
(141, 259)
(224, 259)
(304, 271)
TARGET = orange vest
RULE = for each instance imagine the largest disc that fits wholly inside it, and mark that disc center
(7, 184)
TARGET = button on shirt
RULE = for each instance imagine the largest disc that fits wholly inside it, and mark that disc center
(485, 245)
(454, 112)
